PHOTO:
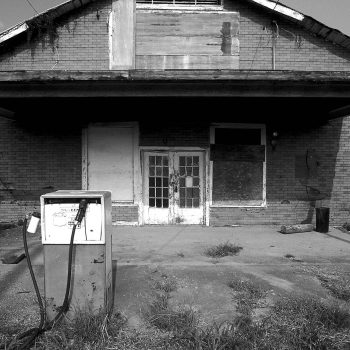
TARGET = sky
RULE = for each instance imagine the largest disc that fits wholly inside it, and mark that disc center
(334, 13)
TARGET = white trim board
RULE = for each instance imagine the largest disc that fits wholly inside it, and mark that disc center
(281, 9)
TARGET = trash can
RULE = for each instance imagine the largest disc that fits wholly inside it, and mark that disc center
(322, 220)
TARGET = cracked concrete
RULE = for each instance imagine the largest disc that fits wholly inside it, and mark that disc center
(177, 251)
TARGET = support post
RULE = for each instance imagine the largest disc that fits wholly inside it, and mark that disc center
(122, 35)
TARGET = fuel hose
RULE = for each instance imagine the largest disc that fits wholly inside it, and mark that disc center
(25, 340)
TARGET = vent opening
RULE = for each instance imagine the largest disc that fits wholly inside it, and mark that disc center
(181, 2)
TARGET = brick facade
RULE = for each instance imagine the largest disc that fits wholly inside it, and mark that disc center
(174, 134)
(81, 43)
(125, 213)
(34, 161)
(296, 49)
(291, 199)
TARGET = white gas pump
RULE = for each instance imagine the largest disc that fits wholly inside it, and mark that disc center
(91, 263)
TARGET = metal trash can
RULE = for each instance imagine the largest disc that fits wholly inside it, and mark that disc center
(322, 219)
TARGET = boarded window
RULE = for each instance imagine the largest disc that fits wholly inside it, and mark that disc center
(110, 161)
(237, 182)
(238, 167)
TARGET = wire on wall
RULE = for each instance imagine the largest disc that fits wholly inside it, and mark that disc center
(31, 5)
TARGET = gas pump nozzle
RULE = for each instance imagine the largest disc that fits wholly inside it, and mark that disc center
(81, 212)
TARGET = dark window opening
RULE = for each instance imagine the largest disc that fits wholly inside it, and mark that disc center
(237, 136)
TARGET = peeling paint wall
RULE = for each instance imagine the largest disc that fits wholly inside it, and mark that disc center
(187, 39)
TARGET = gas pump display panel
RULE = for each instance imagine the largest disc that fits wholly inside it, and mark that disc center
(58, 215)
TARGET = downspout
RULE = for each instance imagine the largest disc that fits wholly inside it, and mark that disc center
(275, 35)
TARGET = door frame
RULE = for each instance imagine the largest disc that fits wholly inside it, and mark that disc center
(206, 173)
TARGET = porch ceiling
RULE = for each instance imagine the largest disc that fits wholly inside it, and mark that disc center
(166, 83)
(286, 112)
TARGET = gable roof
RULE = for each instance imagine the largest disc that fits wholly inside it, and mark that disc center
(310, 24)
(53, 12)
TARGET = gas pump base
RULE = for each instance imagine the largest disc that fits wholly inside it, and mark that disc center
(91, 281)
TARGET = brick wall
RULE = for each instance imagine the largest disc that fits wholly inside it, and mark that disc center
(296, 49)
(291, 199)
(174, 133)
(125, 213)
(34, 161)
(81, 43)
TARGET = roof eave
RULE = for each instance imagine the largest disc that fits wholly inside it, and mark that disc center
(55, 12)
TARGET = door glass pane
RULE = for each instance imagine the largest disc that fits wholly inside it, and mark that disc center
(158, 182)
(158, 171)
(189, 182)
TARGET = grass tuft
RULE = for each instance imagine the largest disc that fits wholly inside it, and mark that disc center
(166, 285)
(338, 287)
(247, 295)
(223, 249)
(87, 330)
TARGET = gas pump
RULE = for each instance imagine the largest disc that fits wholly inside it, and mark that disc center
(89, 276)
(76, 229)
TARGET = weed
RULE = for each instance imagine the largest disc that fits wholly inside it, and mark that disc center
(162, 316)
(247, 295)
(335, 281)
(338, 287)
(308, 323)
(166, 285)
(180, 254)
(86, 330)
(223, 249)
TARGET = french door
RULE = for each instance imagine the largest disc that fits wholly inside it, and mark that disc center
(173, 187)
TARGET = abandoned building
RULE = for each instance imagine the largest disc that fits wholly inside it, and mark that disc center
(212, 112)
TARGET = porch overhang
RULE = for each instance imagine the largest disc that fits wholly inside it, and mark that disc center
(179, 83)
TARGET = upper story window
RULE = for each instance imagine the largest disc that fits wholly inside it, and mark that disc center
(180, 2)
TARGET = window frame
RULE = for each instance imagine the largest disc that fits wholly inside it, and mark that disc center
(262, 127)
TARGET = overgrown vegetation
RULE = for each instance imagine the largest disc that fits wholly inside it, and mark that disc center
(297, 322)
(337, 283)
(223, 249)
(247, 295)
(161, 315)
(86, 331)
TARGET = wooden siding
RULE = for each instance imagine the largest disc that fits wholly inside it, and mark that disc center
(187, 40)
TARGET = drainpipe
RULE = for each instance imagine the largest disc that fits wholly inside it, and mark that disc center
(275, 35)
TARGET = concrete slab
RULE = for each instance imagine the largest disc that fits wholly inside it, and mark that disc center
(186, 244)
(177, 251)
